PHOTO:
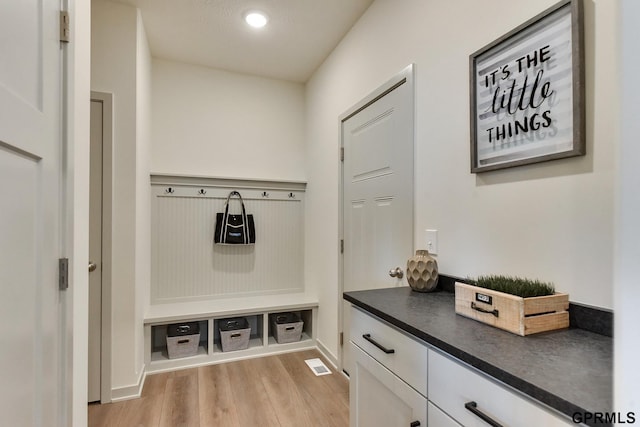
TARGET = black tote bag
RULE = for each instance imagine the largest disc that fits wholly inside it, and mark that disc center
(234, 229)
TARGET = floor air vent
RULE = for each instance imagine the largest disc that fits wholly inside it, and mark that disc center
(317, 367)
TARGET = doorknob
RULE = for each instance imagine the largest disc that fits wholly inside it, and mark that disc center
(396, 272)
(92, 266)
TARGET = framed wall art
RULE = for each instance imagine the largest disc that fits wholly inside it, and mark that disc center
(527, 92)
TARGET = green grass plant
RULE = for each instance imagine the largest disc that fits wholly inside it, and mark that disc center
(521, 287)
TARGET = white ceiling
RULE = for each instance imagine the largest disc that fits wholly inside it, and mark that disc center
(299, 36)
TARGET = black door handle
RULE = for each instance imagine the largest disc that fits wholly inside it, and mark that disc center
(473, 407)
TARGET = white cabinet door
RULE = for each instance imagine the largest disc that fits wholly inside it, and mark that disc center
(378, 398)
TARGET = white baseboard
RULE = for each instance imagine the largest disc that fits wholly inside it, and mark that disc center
(130, 392)
(328, 354)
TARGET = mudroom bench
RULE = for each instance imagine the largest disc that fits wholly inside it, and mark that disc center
(209, 315)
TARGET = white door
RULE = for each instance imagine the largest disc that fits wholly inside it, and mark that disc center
(377, 193)
(378, 398)
(95, 253)
(31, 369)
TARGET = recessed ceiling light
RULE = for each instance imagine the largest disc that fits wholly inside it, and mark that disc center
(256, 19)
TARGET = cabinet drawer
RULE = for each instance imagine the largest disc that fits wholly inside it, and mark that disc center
(453, 385)
(404, 356)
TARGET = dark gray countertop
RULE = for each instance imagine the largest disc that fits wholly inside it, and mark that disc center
(569, 370)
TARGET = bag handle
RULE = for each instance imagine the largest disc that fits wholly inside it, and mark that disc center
(226, 204)
(245, 224)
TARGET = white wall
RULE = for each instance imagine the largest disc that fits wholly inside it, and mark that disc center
(627, 291)
(216, 123)
(115, 68)
(552, 221)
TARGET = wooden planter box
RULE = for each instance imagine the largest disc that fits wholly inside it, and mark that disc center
(522, 316)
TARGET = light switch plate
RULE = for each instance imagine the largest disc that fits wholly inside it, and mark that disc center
(431, 241)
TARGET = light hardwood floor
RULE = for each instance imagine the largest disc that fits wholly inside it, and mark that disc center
(271, 391)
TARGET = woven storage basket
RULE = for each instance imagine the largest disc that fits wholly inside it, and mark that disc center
(183, 339)
(287, 327)
(234, 334)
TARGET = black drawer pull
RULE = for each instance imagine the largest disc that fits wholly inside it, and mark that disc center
(495, 312)
(183, 341)
(473, 407)
(415, 424)
(235, 335)
(377, 344)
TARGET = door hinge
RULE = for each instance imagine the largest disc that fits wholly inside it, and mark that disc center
(341, 246)
(65, 27)
(342, 154)
(63, 274)
(341, 338)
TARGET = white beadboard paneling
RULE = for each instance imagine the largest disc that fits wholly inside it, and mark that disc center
(187, 265)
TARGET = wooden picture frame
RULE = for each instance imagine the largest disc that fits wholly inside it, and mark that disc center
(527, 92)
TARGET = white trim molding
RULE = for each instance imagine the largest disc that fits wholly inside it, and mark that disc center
(328, 355)
(132, 391)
